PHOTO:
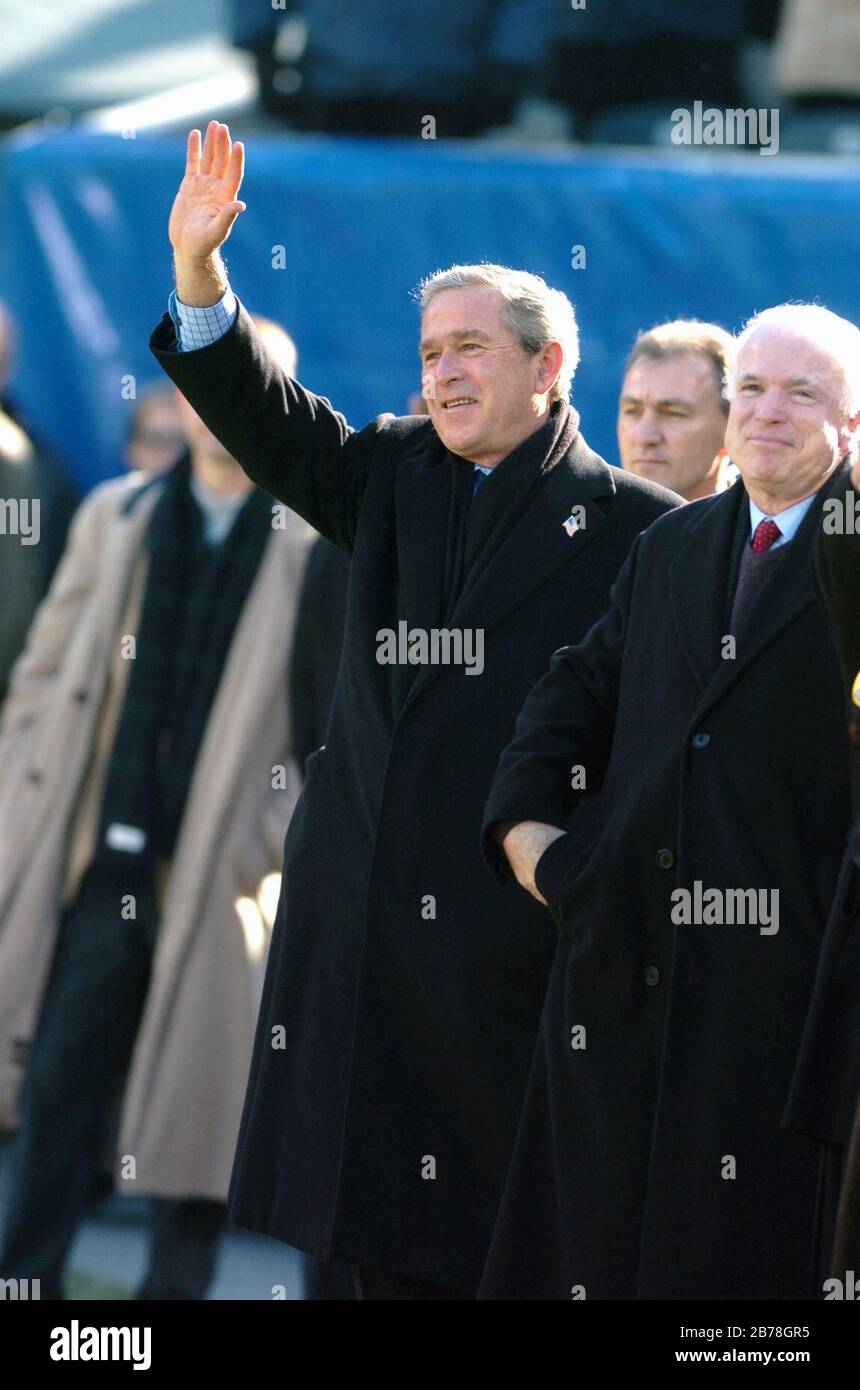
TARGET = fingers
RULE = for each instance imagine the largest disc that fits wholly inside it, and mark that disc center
(208, 153)
(221, 159)
(192, 158)
(236, 170)
(227, 218)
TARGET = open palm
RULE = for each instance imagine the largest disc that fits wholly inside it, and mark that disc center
(206, 206)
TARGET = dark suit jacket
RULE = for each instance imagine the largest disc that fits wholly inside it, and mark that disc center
(826, 1090)
(409, 984)
(650, 1161)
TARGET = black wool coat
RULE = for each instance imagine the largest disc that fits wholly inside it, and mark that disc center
(407, 982)
(650, 1161)
(825, 1095)
(317, 644)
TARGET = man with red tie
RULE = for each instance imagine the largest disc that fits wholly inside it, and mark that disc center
(677, 793)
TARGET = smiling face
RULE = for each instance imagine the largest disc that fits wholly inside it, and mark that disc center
(671, 423)
(788, 426)
(483, 393)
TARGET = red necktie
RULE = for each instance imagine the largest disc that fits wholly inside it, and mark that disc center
(766, 534)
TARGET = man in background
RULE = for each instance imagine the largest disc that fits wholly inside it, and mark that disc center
(146, 783)
(155, 436)
(672, 412)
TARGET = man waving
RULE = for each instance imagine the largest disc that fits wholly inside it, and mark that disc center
(404, 985)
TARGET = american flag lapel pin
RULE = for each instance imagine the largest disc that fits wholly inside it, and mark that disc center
(571, 526)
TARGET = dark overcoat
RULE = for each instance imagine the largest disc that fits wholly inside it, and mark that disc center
(650, 1161)
(406, 984)
(317, 644)
(825, 1095)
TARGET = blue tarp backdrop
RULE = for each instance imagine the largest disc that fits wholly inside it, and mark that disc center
(86, 261)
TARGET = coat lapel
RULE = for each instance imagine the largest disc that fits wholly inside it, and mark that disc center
(422, 497)
(539, 543)
(535, 547)
(784, 594)
(699, 604)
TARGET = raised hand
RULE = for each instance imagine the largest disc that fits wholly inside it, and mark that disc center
(206, 206)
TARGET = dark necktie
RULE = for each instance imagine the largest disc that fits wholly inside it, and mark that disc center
(477, 478)
(767, 533)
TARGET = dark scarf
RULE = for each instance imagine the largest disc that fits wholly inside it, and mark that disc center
(194, 596)
(478, 525)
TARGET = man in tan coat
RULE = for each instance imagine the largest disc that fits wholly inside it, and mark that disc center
(146, 782)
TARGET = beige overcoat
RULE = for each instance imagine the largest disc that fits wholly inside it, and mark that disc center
(817, 48)
(182, 1099)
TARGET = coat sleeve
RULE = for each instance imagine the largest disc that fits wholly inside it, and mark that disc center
(568, 720)
(53, 627)
(837, 571)
(289, 441)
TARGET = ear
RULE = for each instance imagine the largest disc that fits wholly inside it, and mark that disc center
(850, 442)
(549, 366)
(850, 428)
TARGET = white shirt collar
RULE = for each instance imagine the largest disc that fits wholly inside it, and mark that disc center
(787, 521)
(219, 509)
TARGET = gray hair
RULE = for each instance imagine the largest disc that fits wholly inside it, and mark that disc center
(835, 336)
(709, 340)
(536, 314)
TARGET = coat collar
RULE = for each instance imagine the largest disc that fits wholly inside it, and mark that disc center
(702, 582)
(151, 488)
(534, 548)
(539, 544)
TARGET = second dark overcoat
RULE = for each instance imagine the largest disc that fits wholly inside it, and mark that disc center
(825, 1094)
(650, 1161)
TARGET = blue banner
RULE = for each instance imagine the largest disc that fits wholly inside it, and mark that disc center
(338, 232)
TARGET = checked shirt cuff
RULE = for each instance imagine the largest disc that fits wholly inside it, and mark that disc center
(198, 327)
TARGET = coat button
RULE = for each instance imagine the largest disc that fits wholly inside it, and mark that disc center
(665, 858)
(80, 696)
(701, 740)
(34, 775)
(651, 975)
